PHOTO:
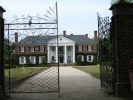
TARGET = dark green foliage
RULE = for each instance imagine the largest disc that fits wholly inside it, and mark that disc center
(78, 61)
(8, 47)
(29, 63)
(44, 61)
(7, 66)
(8, 50)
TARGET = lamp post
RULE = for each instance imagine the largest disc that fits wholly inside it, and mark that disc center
(2, 81)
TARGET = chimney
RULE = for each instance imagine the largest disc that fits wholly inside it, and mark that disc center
(16, 37)
(86, 35)
(95, 36)
(64, 33)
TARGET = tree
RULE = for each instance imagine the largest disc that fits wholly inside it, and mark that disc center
(8, 50)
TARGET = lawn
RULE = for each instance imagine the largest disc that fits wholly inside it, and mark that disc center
(92, 70)
(23, 72)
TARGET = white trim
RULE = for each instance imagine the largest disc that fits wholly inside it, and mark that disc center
(48, 54)
(22, 60)
(68, 42)
(90, 59)
(32, 59)
(56, 54)
(74, 53)
(65, 60)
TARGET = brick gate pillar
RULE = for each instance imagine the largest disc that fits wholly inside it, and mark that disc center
(122, 42)
(2, 85)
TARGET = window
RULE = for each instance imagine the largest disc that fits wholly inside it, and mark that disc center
(89, 58)
(44, 48)
(69, 59)
(31, 49)
(89, 48)
(22, 48)
(92, 47)
(42, 59)
(41, 48)
(76, 48)
(53, 48)
(53, 59)
(81, 57)
(61, 49)
(80, 48)
(69, 48)
(32, 60)
(36, 48)
(22, 60)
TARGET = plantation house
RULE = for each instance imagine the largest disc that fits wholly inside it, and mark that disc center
(72, 49)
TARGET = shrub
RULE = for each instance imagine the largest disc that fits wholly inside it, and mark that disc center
(7, 66)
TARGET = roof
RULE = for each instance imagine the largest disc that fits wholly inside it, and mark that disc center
(80, 39)
(42, 40)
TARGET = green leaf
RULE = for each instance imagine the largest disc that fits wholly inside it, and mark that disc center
(129, 1)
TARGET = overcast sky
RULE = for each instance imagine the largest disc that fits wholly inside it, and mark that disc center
(75, 16)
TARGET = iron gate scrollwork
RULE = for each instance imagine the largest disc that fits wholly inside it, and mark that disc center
(105, 54)
(26, 67)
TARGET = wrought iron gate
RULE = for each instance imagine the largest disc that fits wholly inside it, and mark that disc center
(105, 54)
(26, 67)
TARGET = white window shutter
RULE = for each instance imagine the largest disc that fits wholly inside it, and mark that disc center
(82, 58)
(92, 58)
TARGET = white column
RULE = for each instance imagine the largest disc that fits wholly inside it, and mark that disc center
(65, 60)
(73, 53)
(56, 54)
(48, 54)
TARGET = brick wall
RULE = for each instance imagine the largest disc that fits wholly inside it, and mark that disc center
(85, 49)
(27, 50)
(2, 86)
(122, 42)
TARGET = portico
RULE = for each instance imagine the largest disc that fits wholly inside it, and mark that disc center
(63, 53)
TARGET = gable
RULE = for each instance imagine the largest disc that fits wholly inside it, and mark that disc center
(61, 41)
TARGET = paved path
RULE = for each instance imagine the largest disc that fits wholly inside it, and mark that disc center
(42, 82)
(75, 85)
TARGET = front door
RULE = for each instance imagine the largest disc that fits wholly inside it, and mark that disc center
(61, 59)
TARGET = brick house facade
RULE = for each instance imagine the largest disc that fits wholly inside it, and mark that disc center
(72, 49)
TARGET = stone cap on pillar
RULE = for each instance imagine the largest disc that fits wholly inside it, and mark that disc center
(122, 7)
(1, 11)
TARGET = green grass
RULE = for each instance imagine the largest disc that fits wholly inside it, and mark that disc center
(21, 73)
(92, 70)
